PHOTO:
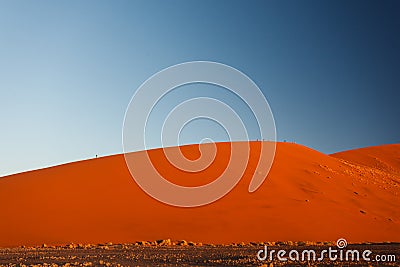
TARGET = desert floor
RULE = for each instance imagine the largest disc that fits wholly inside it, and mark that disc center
(177, 255)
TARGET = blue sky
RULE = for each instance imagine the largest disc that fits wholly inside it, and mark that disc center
(329, 69)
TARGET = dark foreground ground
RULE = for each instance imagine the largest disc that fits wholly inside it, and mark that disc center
(163, 253)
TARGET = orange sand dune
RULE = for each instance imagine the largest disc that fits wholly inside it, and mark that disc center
(307, 196)
(385, 157)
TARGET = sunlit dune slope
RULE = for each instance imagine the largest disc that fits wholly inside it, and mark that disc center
(385, 157)
(306, 196)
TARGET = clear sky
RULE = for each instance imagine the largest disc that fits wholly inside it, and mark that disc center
(329, 69)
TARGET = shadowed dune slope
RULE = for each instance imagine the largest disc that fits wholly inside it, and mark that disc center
(306, 196)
